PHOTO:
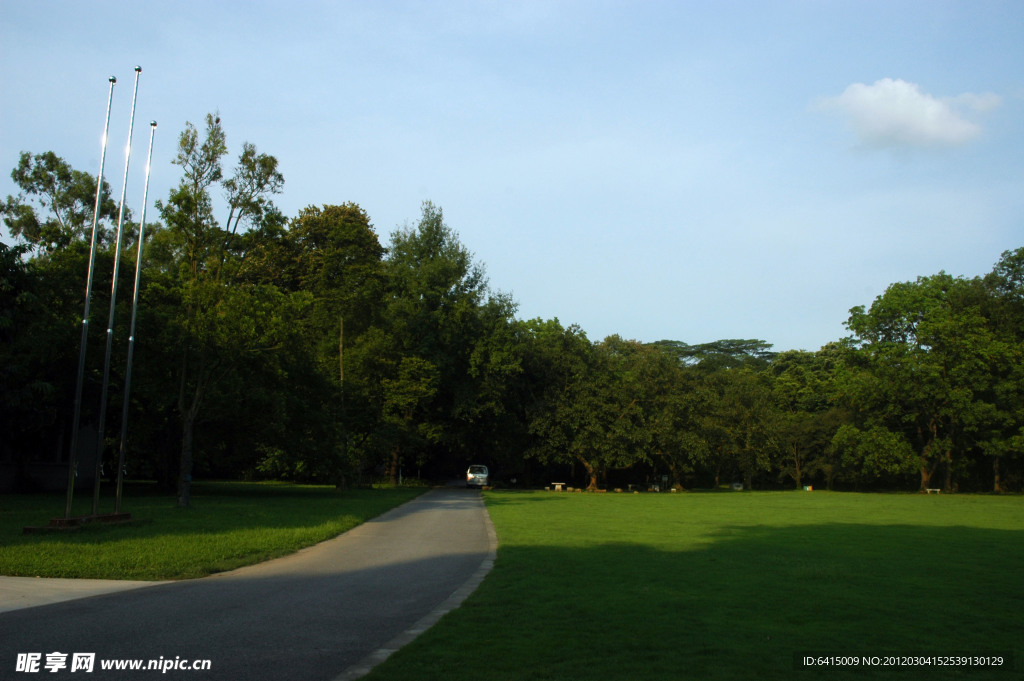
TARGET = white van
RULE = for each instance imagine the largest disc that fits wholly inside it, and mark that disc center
(476, 476)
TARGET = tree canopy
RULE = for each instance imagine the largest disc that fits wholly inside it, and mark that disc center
(305, 348)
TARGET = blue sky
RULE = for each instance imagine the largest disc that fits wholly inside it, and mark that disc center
(657, 170)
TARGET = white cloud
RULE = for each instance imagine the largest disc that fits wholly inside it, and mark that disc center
(895, 113)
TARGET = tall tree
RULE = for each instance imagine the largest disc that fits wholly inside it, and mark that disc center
(733, 415)
(407, 429)
(589, 411)
(332, 253)
(28, 404)
(807, 416)
(209, 262)
(743, 417)
(670, 403)
(51, 220)
(336, 256)
(1005, 312)
(722, 354)
(930, 355)
(438, 309)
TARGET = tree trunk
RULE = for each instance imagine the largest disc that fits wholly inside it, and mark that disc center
(996, 487)
(591, 474)
(927, 474)
(948, 487)
(796, 465)
(393, 466)
(926, 477)
(340, 478)
(188, 422)
(185, 467)
(677, 477)
(933, 438)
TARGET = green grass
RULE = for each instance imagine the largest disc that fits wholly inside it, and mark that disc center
(732, 586)
(227, 526)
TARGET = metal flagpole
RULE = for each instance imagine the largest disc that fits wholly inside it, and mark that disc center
(73, 454)
(131, 333)
(113, 302)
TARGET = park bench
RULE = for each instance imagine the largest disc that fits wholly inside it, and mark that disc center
(931, 490)
(558, 486)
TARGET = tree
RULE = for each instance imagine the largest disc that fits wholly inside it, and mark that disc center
(337, 257)
(806, 417)
(559, 360)
(722, 354)
(489, 408)
(589, 408)
(631, 401)
(55, 205)
(1005, 312)
(874, 452)
(671, 402)
(929, 355)
(209, 262)
(333, 254)
(405, 398)
(51, 219)
(27, 393)
(743, 415)
(438, 309)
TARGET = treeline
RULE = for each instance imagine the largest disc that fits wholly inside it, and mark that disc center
(303, 348)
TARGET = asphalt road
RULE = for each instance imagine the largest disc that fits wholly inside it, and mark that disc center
(327, 612)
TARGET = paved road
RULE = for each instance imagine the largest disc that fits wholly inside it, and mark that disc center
(327, 612)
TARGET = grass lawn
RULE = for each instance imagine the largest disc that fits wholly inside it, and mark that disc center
(733, 586)
(227, 526)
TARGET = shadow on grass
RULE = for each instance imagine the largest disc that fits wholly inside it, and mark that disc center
(740, 607)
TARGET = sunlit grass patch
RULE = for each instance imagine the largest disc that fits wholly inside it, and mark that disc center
(227, 526)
